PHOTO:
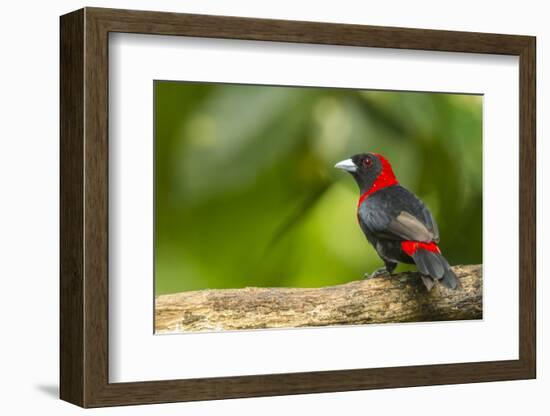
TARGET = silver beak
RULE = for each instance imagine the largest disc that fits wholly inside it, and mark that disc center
(346, 165)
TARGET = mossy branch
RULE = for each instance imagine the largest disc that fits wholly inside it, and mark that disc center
(400, 298)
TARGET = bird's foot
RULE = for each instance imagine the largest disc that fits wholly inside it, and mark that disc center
(377, 273)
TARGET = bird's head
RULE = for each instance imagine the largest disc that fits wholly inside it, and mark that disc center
(371, 171)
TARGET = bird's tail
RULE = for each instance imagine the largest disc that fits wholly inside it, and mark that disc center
(433, 266)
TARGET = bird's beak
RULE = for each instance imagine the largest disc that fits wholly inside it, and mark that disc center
(346, 165)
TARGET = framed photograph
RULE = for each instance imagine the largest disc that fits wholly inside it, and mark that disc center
(254, 207)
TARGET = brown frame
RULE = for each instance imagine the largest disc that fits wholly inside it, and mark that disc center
(84, 207)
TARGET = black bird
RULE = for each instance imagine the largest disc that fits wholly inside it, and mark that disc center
(396, 223)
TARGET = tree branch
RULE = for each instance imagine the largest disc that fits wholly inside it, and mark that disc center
(401, 298)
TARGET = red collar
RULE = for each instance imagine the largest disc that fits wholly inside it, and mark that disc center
(385, 178)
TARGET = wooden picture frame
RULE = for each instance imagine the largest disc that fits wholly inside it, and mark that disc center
(84, 207)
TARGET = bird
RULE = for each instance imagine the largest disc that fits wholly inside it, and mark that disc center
(396, 222)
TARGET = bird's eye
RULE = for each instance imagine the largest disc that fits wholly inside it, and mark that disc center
(367, 162)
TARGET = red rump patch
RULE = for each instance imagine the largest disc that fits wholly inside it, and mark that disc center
(411, 247)
(385, 178)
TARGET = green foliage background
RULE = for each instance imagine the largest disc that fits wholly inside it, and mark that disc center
(246, 193)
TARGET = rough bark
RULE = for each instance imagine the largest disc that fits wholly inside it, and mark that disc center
(401, 298)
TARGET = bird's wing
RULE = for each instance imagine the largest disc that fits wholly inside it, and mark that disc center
(403, 227)
(431, 224)
(405, 221)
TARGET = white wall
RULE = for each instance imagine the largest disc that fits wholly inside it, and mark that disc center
(29, 208)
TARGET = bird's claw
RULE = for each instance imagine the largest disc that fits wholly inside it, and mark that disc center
(377, 273)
